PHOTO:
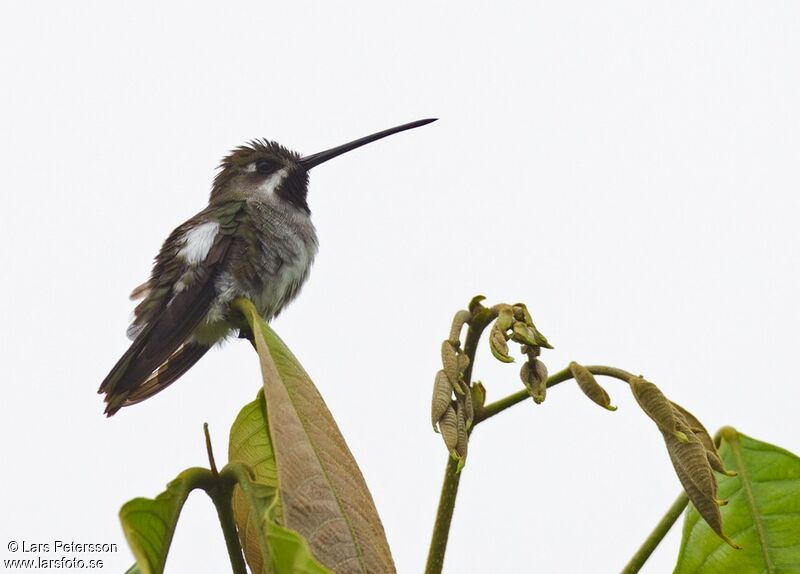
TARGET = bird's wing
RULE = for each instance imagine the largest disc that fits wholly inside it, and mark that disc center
(179, 295)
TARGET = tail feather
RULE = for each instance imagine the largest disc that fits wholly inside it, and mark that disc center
(170, 371)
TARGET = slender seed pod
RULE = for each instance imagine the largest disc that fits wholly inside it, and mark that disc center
(590, 387)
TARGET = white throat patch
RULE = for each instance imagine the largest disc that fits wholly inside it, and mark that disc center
(273, 182)
(198, 242)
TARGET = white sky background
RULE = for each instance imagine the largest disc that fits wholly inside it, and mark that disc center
(628, 169)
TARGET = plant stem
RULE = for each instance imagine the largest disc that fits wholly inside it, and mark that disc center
(444, 515)
(564, 375)
(452, 476)
(658, 533)
(210, 452)
(222, 497)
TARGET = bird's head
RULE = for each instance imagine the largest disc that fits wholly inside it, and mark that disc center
(266, 171)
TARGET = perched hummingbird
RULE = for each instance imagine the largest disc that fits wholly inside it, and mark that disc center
(255, 239)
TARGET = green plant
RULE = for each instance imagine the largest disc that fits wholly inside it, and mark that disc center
(291, 486)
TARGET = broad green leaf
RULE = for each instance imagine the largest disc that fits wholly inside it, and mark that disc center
(762, 516)
(149, 524)
(322, 493)
(250, 444)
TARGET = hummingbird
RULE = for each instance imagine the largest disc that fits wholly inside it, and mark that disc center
(255, 239)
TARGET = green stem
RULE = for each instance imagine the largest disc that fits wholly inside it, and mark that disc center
(452, 476)
(657, 535)
(564, 375)
(444, 515)
(222, 496)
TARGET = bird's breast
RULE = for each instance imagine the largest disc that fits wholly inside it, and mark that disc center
(282, 252)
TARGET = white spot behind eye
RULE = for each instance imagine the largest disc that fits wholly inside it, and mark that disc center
(250, 168)
(273, 182)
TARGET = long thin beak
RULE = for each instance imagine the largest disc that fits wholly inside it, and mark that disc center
(315, 159)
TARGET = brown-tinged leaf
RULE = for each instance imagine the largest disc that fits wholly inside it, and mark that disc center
(323, 495)
(590, 387)
(442, 393)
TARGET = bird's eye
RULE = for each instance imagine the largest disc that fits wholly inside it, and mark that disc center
(265, 166)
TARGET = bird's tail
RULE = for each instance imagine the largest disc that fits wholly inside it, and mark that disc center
(126, 385)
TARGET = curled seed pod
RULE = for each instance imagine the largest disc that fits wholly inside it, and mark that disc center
(460, 319)
(442, 392)
(475, 305)
(590, 387)
(448, 426)
(654, 403)
(450, 362)
(505, 317)
(498, 345)
(711, 449)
